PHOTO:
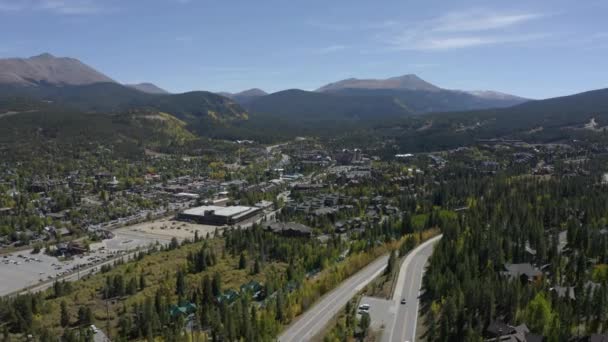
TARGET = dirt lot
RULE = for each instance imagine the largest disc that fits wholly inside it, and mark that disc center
(165, 229)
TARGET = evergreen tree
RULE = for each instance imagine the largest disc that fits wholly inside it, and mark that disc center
(242, 262)
(64, 314)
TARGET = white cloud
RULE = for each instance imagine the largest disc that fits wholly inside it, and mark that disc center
(459, 30)
(67, 7)
(448, 43)
(479, 20)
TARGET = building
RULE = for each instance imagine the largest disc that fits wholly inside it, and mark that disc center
(564, 292)
(219, 216)
(500, 332)
(182, 310)
(526, 272)
(263, 204)
(290, 229)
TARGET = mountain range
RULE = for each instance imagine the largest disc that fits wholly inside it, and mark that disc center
(245, 97)
(70, 83)
(364, 99)
(48, 84)
(46, 69)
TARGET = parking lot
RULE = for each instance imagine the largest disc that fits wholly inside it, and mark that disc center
(381, 311)
(22, 269)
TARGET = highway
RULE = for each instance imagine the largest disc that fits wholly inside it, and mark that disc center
(318, 316)
(408, 286)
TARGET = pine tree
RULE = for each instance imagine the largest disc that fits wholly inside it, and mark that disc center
(142, 282)
(217, 284)
(180, 283)
(85, 315)
(256, 267)
(64, 315)
(242, 262)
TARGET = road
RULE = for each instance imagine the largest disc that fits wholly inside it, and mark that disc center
(408, 286)
(318, 316)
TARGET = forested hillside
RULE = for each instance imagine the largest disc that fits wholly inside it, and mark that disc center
(113, 97)
(554, 225)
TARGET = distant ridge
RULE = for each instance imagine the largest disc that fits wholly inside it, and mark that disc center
(245, 97)
(249, 93)
(48, 69)
(494, 95)
(405, 82)
(148, 88)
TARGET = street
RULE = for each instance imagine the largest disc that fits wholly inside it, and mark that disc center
(408, 287)
(316, 317)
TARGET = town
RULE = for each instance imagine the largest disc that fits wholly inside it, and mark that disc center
(299, 189)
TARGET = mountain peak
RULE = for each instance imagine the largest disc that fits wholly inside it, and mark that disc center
(252, 92)
(46, 68)
(405, 82)
(44, 55)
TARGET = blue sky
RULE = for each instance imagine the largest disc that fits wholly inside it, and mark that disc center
(536, 49)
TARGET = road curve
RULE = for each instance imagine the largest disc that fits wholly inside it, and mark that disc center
(408, 287)
(316, 317)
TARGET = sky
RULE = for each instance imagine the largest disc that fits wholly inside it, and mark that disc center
(536, 49)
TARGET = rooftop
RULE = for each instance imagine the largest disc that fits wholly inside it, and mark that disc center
(231, 211)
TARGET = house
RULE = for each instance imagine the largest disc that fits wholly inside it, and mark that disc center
(182, 310)
(341, 227)
(325, 211)
(254, 288)
(229, 296)
(564, 292)
(291, 229)
(306, 187)
(501, 332)
(524, 271)
(264, 205)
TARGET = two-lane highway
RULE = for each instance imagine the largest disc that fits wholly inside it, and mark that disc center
(408, 287)
(312, 322)
(316, 318)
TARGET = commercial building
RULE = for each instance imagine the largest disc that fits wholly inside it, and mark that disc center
(219, 216)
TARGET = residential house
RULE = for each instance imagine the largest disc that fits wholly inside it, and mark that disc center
(526, 272)
(499, 331)
(291, 229)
